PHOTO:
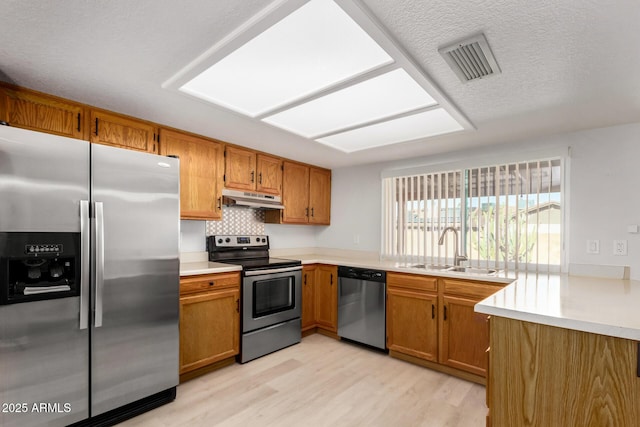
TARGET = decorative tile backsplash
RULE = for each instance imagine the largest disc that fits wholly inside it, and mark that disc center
(237, 220)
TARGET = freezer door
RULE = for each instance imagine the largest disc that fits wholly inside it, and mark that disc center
(134, 340)
(44, 351)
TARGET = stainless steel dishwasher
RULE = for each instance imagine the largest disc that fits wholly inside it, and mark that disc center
(361, 305)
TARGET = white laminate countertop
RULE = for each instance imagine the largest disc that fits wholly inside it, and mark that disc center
(205, 267)
(597, 305)
(589, 304)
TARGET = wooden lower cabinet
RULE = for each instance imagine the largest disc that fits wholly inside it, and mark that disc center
(326, 297)
(433, 319)
(320, 298)
(308, 297)
(209, 319)
(412, 326)
(465, 336)
(550, 376)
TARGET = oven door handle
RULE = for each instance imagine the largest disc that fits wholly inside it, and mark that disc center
(272, 271)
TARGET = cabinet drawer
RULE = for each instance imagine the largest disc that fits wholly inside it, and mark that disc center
(412, 281)
(189, 285)
(477, 290)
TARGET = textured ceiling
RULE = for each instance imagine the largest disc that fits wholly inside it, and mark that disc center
(566, 65)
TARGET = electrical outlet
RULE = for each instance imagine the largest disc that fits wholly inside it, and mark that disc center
(593, 246)
(619, 247)
(356, 239)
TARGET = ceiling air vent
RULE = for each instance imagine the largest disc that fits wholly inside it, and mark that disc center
(470, 58)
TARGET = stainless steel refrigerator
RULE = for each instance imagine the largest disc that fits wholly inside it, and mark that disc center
(89, 280)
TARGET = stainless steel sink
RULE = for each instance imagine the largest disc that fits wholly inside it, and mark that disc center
(474, 270)
(453, 268)
(438, 267)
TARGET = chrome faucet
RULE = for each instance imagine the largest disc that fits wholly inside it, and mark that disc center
(456, 257)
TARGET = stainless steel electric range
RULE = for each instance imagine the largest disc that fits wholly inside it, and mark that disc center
(271, 291)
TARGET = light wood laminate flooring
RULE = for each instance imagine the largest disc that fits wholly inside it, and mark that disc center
(322, 382)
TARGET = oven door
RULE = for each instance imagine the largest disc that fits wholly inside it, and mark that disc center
(270, 297)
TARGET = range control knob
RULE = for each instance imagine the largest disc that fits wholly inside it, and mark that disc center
(257, 239)
(219, 240)
(264, 240)
(227, 240)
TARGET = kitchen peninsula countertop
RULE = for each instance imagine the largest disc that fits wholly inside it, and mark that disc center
(589, 304)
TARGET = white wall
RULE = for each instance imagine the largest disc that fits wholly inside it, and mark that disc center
(192, 236)
(291, 236)
(604, 175)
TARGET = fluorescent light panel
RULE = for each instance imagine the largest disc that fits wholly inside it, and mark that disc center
(387, 95)
(305, 55)
(311, 49)
(421, 125)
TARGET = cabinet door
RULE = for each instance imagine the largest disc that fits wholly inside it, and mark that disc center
(25, 109)
(327, 297)
(308, 297)
(240, 172)
(465, 336)
(295, 193)
(201, 169)
(319, 196)
(209, 328)
(269, 174)
(412, 323)
(123, 132)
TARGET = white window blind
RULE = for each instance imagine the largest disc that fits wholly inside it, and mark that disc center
(507, 216)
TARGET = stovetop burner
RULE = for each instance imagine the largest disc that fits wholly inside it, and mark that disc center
(249, 251)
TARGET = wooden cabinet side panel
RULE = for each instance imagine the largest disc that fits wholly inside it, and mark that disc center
(201, 165)
(269, 170)
(295, 193)
(209, 328)
(412, 323)
(543, 375)
(240, 168)
(29, 110)
(319, 196)
(465, 336)
(123, 132)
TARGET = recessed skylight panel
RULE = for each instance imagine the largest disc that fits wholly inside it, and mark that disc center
(389, 94)
(421, 125)
(311, 49)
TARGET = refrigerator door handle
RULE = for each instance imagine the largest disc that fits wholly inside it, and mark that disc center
(84, 263)
(99, 271)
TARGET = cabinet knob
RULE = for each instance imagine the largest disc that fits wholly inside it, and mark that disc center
(211, 283)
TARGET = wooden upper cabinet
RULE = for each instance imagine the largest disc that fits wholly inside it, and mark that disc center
(32, 110)
(240, 173)
(295, 193)
(269, 178)
(306, 196)
(319, 196)
(201, 170)
(124, 132)
(250, 171)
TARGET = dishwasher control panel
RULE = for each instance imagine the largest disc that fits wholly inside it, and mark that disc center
(362, 274)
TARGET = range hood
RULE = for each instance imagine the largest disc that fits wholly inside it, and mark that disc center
(251, 200)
